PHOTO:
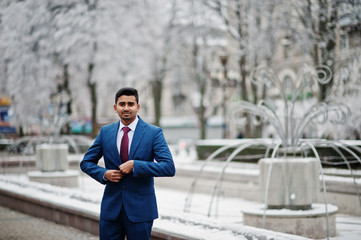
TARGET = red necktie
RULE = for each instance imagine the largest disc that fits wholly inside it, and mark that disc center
(124, 145)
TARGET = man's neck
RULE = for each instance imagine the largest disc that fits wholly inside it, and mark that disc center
(128, 123)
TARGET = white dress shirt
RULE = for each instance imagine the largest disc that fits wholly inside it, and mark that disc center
(132, 127)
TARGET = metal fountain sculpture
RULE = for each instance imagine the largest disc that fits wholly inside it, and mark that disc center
(291, 171)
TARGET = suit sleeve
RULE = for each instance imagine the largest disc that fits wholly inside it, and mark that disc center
(89, 164)
(163, 166)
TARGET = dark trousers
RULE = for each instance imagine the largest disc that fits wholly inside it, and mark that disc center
(121, 227)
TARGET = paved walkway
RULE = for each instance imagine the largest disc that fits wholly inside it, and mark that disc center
(19, 226)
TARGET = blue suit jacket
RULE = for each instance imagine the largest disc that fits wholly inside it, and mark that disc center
(135, 191)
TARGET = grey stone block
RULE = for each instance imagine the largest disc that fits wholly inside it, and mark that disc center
(293, 182)
(52, 157)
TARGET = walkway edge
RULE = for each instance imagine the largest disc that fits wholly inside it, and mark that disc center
(69, 217)
(84, 221)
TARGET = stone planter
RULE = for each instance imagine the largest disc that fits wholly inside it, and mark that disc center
(52, 157)
(293, 182)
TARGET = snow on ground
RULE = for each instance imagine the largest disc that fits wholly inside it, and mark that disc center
(227, 225)
(87, 198)
(224, 223)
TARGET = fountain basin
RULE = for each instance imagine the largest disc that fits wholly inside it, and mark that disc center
(68, 178)
(307, 223)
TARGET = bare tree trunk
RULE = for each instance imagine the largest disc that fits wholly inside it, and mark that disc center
(203, 123)
(202, 108)
(157, 87)
(257, 129)
(65, 87)
(242, 67)
(202, 85)
(92, 5)
(328, 54)
(93, 99)
(324, 52)
(21, 131)
(244, 93)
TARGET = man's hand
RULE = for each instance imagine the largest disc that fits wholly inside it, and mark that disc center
(126, 167)
(113, 175)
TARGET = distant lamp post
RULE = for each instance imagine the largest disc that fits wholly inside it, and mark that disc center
(225, 83)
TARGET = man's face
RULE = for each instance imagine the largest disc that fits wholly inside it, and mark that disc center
(127, 109)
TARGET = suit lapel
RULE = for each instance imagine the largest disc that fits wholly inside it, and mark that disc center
(137, 137)
(113, 141)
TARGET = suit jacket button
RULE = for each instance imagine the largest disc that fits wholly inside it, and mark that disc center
(122, 187)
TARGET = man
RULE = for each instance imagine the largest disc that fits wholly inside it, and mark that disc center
(131, 160)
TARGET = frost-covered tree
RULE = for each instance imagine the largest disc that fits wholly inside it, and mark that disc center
(347, 90)
(87, 48)
(320, 21)
(152, 42)
(24, 26)
(202, 40)
(250, 25)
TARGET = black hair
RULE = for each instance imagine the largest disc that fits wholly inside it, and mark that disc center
(128, 91)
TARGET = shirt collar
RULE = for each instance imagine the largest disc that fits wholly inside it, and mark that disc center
(132, 126)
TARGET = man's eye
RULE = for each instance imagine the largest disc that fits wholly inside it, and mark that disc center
(122, 104)
(131, 104)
